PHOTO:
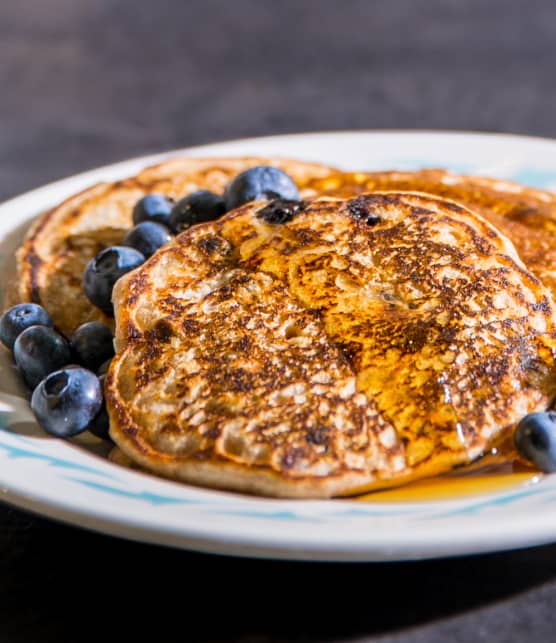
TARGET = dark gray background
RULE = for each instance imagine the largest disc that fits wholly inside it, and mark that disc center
(87, 83)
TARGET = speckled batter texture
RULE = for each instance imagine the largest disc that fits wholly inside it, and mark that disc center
(363, 342)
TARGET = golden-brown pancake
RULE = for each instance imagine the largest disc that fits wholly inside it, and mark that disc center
(358, 343)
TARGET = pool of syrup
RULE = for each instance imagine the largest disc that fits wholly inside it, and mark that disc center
(481, 481)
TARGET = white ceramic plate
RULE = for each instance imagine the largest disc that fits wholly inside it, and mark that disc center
(75, 483)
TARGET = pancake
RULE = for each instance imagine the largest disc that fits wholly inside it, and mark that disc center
(359, 343)
(527, 216)
(59, 245)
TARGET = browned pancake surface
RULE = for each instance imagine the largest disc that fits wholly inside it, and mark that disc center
(365, 342)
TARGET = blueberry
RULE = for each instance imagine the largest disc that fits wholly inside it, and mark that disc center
(103, 368)
(103, 272)
(38, 351)
(262, 182)
(100, 424)
(360, 210)
(147, 237)
(66, 402)
(535, 439)
(280, 211)
(92, 344)
(153, 207)
(197, 207)
(15, 320)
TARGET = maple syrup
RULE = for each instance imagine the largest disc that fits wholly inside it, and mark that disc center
(480, 481)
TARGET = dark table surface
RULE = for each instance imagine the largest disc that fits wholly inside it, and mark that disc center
(87, 83)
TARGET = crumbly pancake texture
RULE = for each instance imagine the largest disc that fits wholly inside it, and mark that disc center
(59, 245)
(361, 343)
(525, 215)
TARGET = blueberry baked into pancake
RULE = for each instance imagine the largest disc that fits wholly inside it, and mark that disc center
(270, 342)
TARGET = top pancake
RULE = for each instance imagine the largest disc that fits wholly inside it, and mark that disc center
(363, 343)
(59, 245)
(525, 215)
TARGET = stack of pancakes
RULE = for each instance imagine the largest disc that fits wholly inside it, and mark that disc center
(397, 326)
